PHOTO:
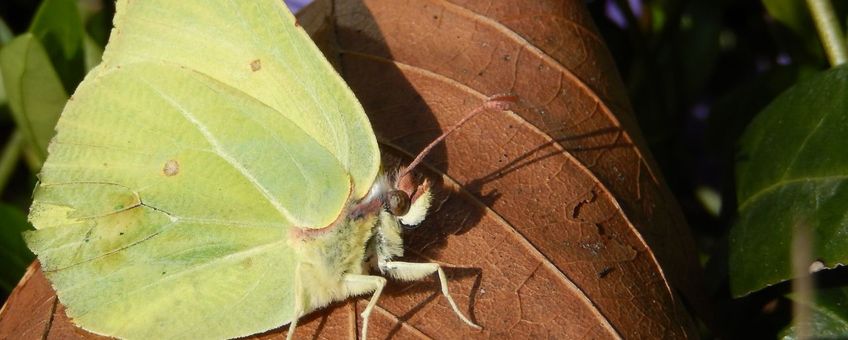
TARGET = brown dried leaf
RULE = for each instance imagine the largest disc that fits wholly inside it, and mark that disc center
(553, 222)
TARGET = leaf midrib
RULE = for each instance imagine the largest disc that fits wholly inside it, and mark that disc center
(783, 183)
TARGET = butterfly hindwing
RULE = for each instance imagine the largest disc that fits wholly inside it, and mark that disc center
(183, 161)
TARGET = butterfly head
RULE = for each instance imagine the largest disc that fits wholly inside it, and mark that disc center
(401, 195)
(408, 199)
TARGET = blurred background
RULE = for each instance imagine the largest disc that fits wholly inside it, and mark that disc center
(697, 73)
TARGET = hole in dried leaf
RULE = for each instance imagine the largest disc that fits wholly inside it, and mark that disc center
(587, 198)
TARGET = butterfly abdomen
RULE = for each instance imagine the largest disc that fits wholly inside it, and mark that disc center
(325, 259)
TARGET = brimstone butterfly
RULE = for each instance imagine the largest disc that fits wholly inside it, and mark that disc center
(214, 177)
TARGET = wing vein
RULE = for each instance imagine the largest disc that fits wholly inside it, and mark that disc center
(219, 150)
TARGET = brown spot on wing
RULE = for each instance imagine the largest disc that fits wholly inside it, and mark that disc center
(171, 168)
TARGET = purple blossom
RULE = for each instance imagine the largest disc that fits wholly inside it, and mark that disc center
(296, 5)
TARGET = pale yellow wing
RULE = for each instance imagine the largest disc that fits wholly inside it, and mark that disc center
(182, 162)
(256, 47)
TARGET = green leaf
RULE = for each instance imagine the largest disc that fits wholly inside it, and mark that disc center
(793, 14)
(3, 98)
(791, 173)
(800, 35)
(59, 28)
(6, 34)
(93, 53)
(5, 38)
(829, 315)
(9, 157)
(97, 21)
(35, 93)
(14, 254)
(732, 112)
(97, 18)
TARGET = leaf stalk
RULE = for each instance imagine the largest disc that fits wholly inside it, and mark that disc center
(830, 32)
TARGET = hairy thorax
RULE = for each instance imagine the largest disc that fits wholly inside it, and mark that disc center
(326, 257)
(366, 236)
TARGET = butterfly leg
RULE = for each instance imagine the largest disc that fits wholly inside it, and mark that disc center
(408, 271)
(292, 326)
(360, 284)
(298, 304)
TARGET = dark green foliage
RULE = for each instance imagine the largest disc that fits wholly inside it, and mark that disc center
(699, 72)
(13, 252)
(792, 177)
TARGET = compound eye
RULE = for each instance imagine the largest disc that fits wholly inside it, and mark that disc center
(397, 202)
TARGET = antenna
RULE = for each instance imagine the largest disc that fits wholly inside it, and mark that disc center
(500, 102)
